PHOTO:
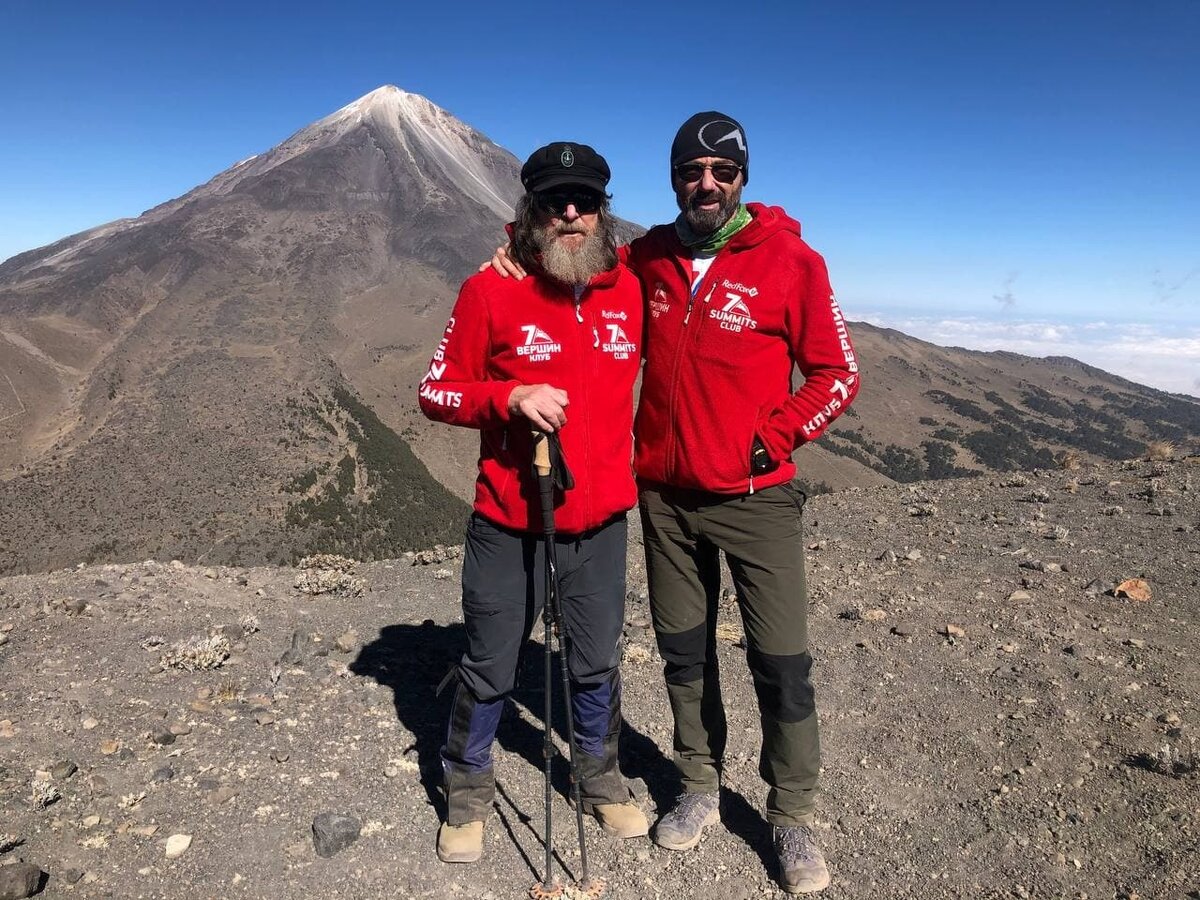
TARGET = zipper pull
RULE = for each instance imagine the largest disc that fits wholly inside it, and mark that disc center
(751, 484)
(578, 314)
(692, 300)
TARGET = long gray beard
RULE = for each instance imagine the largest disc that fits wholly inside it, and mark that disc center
(576, 267)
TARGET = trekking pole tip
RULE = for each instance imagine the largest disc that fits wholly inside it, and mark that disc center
(543, 891)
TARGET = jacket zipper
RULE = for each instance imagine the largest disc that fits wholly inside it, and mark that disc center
(674, 384)
(587, 424)
(679, 352)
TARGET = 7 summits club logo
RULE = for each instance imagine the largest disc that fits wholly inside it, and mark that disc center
(538, 346)
(734, 314)
(618, 344)
(437, 370)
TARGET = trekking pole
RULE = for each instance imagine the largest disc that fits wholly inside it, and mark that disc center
(552, 616)
(548, 886)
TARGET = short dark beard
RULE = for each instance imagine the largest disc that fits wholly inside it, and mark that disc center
(537, 250)
(704, 221)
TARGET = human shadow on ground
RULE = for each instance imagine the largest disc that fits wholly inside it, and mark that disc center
(413, 660)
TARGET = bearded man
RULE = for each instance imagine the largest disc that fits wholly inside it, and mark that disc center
(736, 302)
(515, 356)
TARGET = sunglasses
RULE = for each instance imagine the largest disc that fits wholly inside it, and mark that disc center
(555, 203)
(722, 173)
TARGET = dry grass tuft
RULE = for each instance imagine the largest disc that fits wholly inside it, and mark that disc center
(1068, 459)
(636, 653)
(1174, 761)
(327, 573)
(1160, 450)
(730, 633)
(197, 653)
(227, 692)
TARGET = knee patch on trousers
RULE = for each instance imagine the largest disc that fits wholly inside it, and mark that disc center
(597, 710)
(471, 731)
(782, 684)
(684, 654)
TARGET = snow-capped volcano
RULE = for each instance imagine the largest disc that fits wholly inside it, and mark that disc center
(386, 146)
(152, 365)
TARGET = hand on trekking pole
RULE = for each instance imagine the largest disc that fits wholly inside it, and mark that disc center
(544, 405)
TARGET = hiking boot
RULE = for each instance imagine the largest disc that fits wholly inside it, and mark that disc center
(460, 843)
(802, 868)
(683, 826)
(623, 820)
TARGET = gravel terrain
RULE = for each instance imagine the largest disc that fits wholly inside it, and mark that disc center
(998, 721)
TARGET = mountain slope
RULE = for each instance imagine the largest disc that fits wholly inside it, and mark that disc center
(151, 362)
(931, 412)
(230, 377)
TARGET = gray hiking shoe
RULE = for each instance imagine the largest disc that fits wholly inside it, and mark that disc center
(802, 868)
(683, 826)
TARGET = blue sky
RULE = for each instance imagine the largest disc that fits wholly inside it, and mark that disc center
(1021, 173)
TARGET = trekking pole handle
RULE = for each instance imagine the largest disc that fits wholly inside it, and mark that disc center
(541, 465)
(541, 452)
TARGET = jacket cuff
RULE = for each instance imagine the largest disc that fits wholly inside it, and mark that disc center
(500, 393)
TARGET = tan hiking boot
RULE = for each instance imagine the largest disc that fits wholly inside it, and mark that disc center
(623, 820)
(460, 843)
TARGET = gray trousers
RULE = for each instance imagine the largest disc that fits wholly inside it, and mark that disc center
(503, 593)
(760, 534)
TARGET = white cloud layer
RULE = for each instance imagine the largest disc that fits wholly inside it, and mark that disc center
(1156, 355)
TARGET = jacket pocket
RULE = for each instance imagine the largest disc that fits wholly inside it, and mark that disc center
(760, 458)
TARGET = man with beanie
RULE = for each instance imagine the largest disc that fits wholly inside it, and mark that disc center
(736, 300)
(516, 357)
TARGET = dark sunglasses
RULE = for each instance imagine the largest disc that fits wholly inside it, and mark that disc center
(723, 173)
(555, 203)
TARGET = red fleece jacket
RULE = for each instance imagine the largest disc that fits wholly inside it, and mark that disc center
(719, 362)
(505, 333)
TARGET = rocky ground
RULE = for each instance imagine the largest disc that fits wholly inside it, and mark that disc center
(997, 721)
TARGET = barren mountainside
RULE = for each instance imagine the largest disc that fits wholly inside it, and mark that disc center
(172, 381)
(230, 377)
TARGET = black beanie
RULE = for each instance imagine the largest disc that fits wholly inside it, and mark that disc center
(711, 134)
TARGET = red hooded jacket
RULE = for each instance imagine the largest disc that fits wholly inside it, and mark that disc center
(719, 362)
(505, 333)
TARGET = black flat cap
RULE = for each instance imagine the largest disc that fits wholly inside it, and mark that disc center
(562, 163)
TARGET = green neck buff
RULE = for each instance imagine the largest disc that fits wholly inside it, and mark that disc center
(714, 241)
